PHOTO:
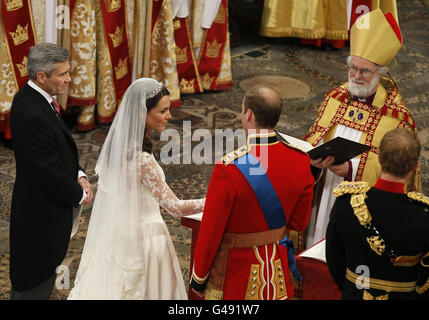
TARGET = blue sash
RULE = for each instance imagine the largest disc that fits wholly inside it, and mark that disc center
(268, 200)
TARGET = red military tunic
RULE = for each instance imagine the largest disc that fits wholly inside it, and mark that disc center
(232, 207)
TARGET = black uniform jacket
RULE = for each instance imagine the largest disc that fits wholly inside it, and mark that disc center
(45, 190)
(367, 265)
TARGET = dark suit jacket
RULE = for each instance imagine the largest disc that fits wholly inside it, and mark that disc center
(45, 190)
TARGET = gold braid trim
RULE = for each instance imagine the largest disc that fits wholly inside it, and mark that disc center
(291, 32)
(347, 187)
(377, 244)
(422, 260)
(337, 35)
(213, 294)
(230, 157)
(368, 296)
(418, 197)
(423, 288)
(385, 285)
(408, 261)
(358, 191)
(357, 201)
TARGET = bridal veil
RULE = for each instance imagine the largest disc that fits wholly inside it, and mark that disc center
(113, 257)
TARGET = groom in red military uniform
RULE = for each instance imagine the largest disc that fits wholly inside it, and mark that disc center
(255, 195)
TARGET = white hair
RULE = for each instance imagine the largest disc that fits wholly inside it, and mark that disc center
(365, 90)
(381, 70)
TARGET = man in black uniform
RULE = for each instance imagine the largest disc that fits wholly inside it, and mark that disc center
(377, 240)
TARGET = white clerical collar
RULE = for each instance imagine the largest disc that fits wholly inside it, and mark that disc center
(46, 95)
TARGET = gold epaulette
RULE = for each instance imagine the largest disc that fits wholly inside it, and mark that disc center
(230, 157)
(418, 197)
(358, 192)
(347, 187)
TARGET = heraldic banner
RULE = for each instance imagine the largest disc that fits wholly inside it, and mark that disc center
(212, 55)
(19, 34)
(115, 26)
(163, 65)
(189, 76)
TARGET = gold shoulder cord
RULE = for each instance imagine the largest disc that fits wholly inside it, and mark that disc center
(358, 191)
(347, 187)
(420, 197)
(230, 157)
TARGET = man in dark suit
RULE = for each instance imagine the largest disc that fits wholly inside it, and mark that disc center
(49, 180)
(377, 240)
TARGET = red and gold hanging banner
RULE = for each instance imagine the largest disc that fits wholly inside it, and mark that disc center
(82, 90)
(20, 34)
(211, 55)
(189, 78)
(162, 58)
(115, 26)
(156, 9)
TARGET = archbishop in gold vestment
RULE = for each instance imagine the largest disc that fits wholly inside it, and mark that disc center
(338, 116)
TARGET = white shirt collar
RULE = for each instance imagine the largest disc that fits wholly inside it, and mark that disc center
(46, 95)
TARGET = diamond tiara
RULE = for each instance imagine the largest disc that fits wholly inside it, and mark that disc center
(154, 92)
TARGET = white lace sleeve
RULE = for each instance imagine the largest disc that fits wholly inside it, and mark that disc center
(154, 182)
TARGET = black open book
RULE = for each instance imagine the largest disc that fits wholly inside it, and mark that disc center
(342, 149)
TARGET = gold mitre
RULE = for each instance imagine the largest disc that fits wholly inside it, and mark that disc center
(375, 37)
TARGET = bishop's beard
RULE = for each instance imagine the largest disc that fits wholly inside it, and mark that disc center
(365, 90)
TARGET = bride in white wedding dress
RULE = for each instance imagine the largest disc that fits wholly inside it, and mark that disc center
(128, 251)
